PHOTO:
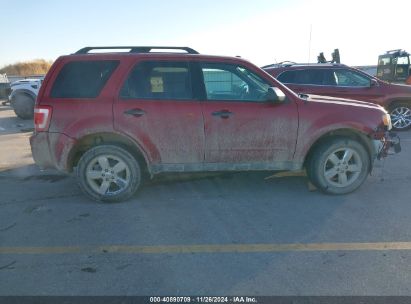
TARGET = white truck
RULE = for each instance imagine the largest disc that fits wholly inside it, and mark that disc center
(4, 86)
(23, 95)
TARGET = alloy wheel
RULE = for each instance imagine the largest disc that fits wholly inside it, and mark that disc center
(342, 167)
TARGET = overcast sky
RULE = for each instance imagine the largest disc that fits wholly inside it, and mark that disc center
(262, 31)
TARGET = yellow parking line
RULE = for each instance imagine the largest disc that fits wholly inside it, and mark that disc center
(224, 248)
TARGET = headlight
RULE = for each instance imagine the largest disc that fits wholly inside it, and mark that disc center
(386, 118)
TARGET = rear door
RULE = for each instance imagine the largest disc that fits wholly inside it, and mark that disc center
(156, 108)
(240, 125)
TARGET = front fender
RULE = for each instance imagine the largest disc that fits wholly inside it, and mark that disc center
(306, 140)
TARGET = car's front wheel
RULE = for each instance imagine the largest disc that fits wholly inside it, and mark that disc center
(108, 173)
(339, 165)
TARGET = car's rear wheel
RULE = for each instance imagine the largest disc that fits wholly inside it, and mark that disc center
(339, 165)
(401, 116)
(23, 106)
(108, 173)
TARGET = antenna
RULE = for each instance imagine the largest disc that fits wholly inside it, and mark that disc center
(309, 44)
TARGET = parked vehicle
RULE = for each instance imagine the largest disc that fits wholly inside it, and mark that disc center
(394, 66)
(23, 95)
(4, 86)
(342, 81)
(114, 118)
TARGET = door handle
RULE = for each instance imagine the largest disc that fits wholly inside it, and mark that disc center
(135, 112)
(223, 113)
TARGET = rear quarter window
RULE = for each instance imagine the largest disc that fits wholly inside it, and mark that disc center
(82, 79)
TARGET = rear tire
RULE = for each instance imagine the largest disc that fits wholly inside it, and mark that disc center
(339, 166)
(23, 106)
(108, 173)
(400, 113)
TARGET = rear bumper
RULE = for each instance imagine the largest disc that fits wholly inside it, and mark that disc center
(41, 151)
(51, 150)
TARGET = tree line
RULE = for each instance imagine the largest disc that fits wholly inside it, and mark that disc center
(33, 67)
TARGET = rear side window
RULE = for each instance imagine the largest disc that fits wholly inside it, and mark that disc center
(308, 76)
(83, 79)
(287, 77)
(158, 80)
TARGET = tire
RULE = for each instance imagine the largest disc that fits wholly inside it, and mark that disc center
(400, 113)
(108, 173)
(331, 173)
(23, 106)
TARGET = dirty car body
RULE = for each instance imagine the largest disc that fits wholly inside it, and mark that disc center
(137, 114)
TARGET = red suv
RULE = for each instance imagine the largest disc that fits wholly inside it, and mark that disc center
(115, 117)
(342, 81)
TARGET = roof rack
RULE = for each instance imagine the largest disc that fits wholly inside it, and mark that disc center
(286, 65)
(280, 64)
(136, 49)
(398, 52)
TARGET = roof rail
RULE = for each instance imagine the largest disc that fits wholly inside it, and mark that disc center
(280, 64)
(136, 49)
(398, 52)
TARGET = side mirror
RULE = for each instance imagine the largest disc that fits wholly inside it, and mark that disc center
(374, 83)
(275, 95)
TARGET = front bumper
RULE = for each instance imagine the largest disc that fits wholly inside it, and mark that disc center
(389, 144)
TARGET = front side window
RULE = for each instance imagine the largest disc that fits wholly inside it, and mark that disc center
(233, 82)
(347, 78)
(403, 60)
(158, 80)
(82, 79)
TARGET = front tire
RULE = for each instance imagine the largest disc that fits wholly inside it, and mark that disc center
(339, 166)
(23, 106)
(108, 173)
(401, 116)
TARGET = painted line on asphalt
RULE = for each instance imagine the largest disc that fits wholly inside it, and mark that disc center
(224, 248)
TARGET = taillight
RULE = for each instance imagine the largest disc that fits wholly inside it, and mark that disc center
(42, 116)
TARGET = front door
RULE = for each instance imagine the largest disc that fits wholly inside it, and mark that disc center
(240, 125)
(354, 85)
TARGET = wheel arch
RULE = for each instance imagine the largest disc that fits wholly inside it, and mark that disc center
(106, 138)
(25, 92)
(347, 133)
(393, 101)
